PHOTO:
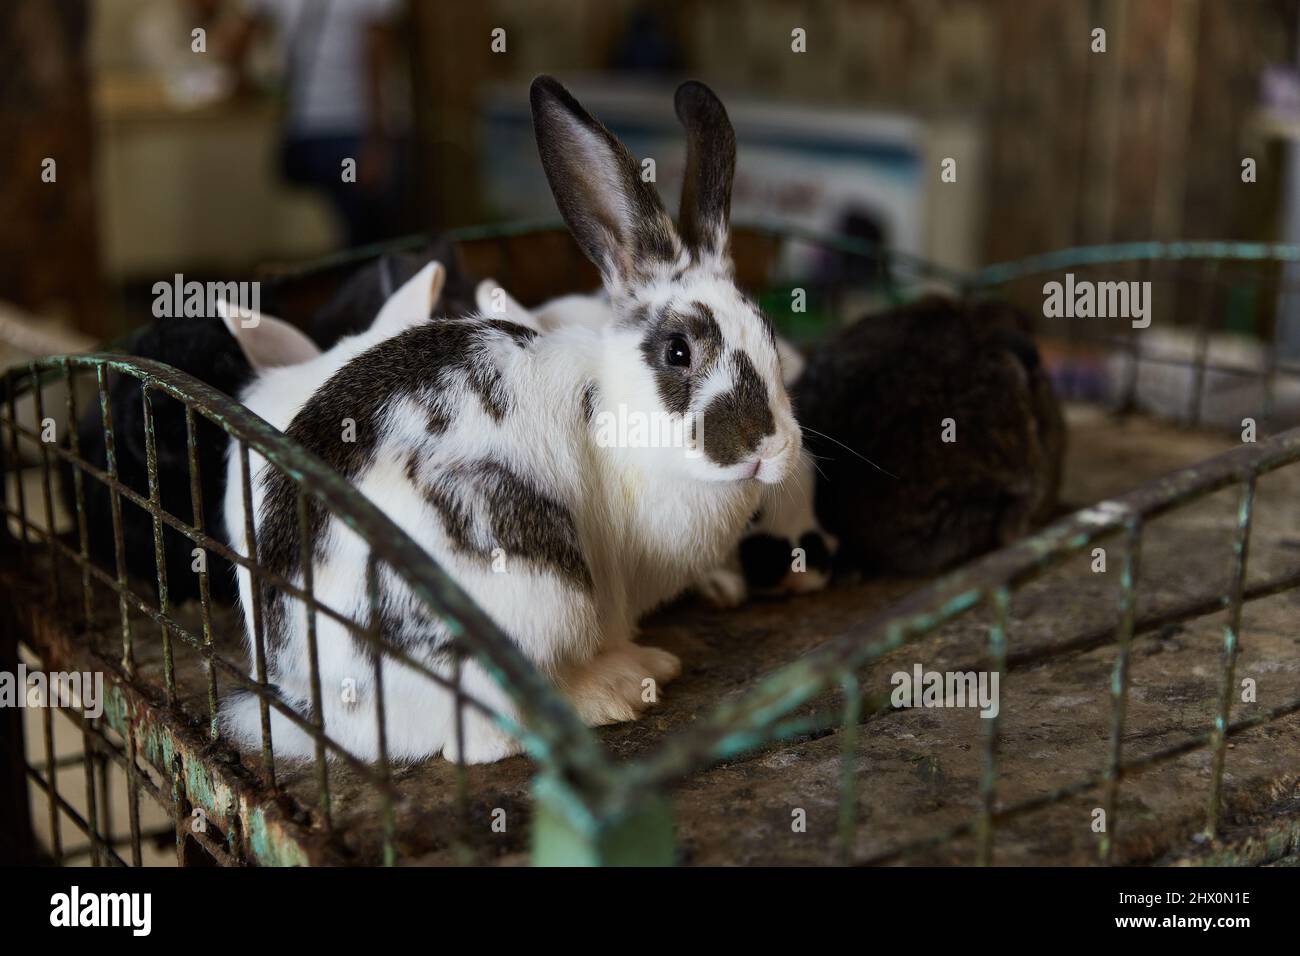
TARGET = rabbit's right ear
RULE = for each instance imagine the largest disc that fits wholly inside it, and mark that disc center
(616, 217)
(267, 342)
(413, 302)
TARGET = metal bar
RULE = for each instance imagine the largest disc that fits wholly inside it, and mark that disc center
(903, 633)
(103, 752)
(1231, 636)
(56, 840)
(119, 544)
(20, 494)
(67, 760)
(381, 720)
(548, 726)
(255, 598)
(47, 494)
(128, 649)
(1002, 272)
(79, 494)
(205, 593)
(313, 661)
(159, 550)
(989, 772)
(1120, 681)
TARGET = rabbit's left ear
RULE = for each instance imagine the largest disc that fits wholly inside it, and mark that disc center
(616, 216)
(496, 303)
(792, 361)
(267, 342)
(710, 169)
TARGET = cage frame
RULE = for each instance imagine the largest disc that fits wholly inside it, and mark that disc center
(588, 810)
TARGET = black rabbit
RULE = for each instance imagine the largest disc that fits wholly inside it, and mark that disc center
(203, 348)
(361, 295)
(885, 387)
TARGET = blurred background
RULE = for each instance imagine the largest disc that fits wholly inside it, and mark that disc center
(148, 138)
(205, 136)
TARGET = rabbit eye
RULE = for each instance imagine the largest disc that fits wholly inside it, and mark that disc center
(678, 352)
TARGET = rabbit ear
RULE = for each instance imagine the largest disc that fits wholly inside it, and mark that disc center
(616, 217)
(412, 303)
(495, 302)
(792, 361)
(710, 169)
(267, 342)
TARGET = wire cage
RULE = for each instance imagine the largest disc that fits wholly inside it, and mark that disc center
(624, 794)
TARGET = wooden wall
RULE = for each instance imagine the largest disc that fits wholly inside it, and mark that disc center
(48, 252)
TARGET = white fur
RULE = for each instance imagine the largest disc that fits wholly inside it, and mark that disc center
(786, 509)
(648, 520)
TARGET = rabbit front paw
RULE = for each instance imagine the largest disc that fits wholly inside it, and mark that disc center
(621, 682)
(657, 663)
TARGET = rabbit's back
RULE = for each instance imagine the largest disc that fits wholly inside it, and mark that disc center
(440, 428)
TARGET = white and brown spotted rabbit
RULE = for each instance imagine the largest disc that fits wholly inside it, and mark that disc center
(480, 438)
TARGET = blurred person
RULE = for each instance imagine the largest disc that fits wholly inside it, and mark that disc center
(187, 80)
(338, 56)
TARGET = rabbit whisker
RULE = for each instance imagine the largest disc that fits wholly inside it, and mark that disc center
(847, 448)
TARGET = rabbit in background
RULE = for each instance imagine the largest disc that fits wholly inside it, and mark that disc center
(475, 435)
(206, 349)
(937, 432)
(203, 348)
(360, 297)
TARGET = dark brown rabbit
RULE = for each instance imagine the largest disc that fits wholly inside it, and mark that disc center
(884, 387)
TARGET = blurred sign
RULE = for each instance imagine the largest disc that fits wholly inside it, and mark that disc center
(865, 174)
